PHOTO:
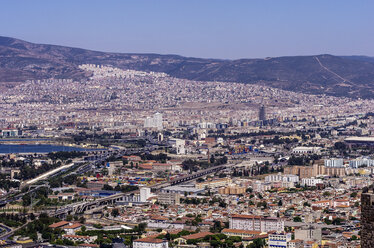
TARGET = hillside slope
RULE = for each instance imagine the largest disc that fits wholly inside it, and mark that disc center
(351, 76)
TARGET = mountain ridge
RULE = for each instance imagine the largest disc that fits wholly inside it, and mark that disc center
(351, 76)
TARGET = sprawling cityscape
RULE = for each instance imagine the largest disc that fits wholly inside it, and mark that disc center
(143, 159)
(115, 150)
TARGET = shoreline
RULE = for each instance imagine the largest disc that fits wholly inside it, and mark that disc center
(53, 147)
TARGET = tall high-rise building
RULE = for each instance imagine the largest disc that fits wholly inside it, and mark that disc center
(367, 220)
(262, 113)
(145, 193)
(157, 118)
(154, 122)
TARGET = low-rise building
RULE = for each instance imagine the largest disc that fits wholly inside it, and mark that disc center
(310, 182)
(79, 238)
(72, 228)
(256, 223)
(308, 233)
(279, 240)
(169, 198)
(150, 243)
(240, 233)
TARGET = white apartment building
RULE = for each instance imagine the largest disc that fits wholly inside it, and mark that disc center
(150, 243)
(310, 182)
(279, 240)
(259, 186)
(206, 125)
(154, 122)
(179, 145)
(145, 193)
(356, 163)
(281, 178)
(256, 223)
(334, 162)
(306, 150)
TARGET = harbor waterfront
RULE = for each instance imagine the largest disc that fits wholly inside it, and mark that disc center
(39, 148)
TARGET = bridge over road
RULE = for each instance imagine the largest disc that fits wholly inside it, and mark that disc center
(81, 207)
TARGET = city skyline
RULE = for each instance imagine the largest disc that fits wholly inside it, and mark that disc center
(126, 149)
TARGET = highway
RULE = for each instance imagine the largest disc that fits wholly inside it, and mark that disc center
(80, 207)
(10, 232)
(47, 174)
(5, 229)
(80, 169)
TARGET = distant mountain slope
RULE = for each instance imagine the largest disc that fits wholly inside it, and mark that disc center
(360, 58)
(351, 76)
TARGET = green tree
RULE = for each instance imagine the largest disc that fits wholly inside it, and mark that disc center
(258, 243)
(297, 219)
(115, 212)
(212, 159)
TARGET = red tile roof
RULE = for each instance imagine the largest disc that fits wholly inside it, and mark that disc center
(59, 224)
(197, 235)
(76, 225)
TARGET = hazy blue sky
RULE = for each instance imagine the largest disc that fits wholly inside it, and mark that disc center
(202, 28)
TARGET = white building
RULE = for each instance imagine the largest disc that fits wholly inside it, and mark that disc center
(279, 240)
(363, 162)
(145, 193)
(310, 182)
(179, 145)
(165, 223)
(334, 162)
(72, 228)
(79, 238)
(204, 125)
(154, 122)
(256, 223)
(150, 243)
(259, 186)
(306, 150)
(281, 178)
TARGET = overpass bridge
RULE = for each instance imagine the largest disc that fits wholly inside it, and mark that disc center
(81, 207)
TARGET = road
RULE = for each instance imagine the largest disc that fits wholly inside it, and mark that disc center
(47, 174)
(5, 228)
(9, 233)
(80, 207)
(335, 74)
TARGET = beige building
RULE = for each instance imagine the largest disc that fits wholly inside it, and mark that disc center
(169, 198)
(240, 233)
(231, 190)
(315, 170)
